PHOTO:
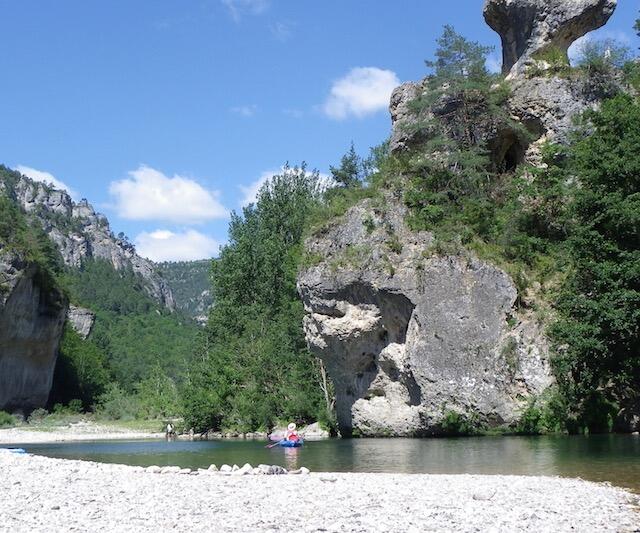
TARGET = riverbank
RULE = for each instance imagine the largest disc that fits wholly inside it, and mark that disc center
(78, 431)
(43, 494)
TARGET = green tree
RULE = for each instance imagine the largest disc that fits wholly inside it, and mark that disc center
(604, 56)
(254, 367)
(459, 61)
(599, 329)
(350, 172)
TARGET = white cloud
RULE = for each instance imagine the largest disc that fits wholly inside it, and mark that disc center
(150, 195)
(246, 111)
(237, 8)
(363, 91)
(164, 245)
(46, 177)
(250, 192)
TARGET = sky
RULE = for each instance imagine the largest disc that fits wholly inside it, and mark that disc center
(168, 115)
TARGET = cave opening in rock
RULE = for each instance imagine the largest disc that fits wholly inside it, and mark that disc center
(512, 156)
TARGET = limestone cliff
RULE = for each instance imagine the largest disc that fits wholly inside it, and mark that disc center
(80, 233)
(409, 336)
(32, 316)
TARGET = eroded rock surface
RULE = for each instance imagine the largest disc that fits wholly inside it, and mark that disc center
(81, 320)
(32, 317)
(409, 336)
(532, 27)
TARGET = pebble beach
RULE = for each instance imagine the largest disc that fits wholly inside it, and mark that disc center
(39, 494)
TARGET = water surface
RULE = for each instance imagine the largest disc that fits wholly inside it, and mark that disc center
(613, 458)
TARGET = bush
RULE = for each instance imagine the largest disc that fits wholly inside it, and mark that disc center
(37, 416)
(7, 420)
(116, 404)
(457, 424)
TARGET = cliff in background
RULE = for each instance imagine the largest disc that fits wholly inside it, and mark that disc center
(80, 233)
(32, 316)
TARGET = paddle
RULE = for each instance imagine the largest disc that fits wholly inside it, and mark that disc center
(272, 445)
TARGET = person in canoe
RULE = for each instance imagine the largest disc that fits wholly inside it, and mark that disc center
(291, 434)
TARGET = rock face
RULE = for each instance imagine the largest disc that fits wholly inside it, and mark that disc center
(544, 106)
(81, 320)
(31, 321)
(80, 232)
(409, 336)
(531, 27)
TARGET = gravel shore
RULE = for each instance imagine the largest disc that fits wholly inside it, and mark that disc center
(83, 431)
(39, 494)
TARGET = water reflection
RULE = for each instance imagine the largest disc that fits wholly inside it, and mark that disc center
(614, 458)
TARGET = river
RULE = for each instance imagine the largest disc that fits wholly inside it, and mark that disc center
(613, 458)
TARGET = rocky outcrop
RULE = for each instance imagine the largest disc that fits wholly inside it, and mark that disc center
(80, 233)
(32, 316)
(529, 28)
(545, 107)
(410, 336)
(81, 320)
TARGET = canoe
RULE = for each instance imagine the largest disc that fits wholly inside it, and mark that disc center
(291, 443)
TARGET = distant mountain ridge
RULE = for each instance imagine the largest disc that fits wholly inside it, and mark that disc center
(80, 232)
(191, 286)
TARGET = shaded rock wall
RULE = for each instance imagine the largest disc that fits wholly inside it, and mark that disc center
(32, 318)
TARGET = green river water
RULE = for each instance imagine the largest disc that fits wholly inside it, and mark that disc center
(613, 458)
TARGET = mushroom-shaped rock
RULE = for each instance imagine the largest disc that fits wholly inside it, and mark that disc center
(532, 27)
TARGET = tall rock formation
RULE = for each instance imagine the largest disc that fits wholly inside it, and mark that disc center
(32, 317)
(410, 336)
(81, 233)
(413, 338)
(529, 28)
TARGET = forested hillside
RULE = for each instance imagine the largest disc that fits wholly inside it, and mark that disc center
(190, 283)
(138, 348)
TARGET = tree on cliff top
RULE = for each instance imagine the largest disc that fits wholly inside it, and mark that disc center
(458, 60)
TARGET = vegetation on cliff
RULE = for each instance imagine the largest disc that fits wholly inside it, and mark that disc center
(578, 213)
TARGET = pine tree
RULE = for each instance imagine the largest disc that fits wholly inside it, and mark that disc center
(349, 173)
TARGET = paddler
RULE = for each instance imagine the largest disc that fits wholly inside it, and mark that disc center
(291, 434)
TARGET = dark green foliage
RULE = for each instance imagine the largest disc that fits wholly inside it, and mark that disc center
(600, 302)
(81, 371)
(134, 332)
(6, 419)
(254, 367)
(459, 60)
(350, 172)
(190, 282)
(20, 235)
(451, 173)
(456, 425)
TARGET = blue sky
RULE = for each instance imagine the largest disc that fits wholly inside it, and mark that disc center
(167, 114)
